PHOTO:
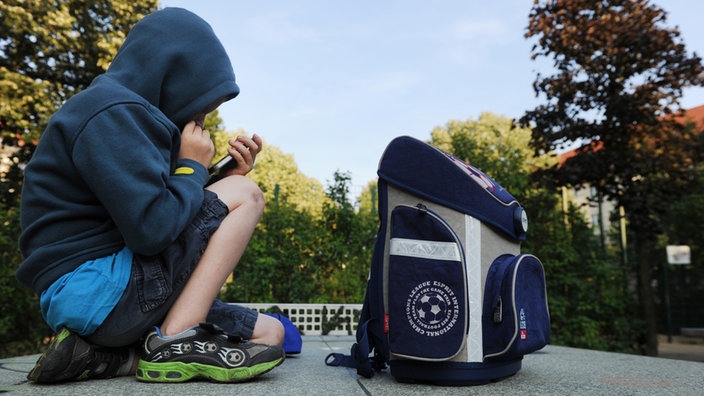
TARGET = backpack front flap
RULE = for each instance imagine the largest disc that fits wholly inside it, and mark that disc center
(435, 175)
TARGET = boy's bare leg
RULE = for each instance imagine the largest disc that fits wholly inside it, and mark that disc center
(227, 244)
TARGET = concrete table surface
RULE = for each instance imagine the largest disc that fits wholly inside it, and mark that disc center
(552, 371)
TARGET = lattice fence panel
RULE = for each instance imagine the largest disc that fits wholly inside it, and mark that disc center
(316, 319)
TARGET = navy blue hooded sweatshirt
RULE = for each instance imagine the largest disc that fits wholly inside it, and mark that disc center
(103, 174)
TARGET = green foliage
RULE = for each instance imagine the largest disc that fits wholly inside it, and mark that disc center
(21, 324)
(495, 145)
(278, 176)
(619, 71)
(295, 256)
(313, 245)
(275, 172)
(48, 52)
(51, 50)
(685, 219)
(368, 200)
(619, 74)
(279, 264)
(214, 124)
(348, 249)
(589, 306)
(684, 227)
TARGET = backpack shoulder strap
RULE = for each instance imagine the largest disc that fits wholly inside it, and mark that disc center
(370, 331)
(359, 354)
(370, 338)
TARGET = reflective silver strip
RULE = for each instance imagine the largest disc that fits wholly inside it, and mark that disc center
(473, 254)
(448, 251)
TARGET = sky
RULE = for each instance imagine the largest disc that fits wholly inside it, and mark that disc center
(333, 82)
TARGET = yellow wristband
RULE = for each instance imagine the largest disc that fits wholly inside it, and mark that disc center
(184, 170)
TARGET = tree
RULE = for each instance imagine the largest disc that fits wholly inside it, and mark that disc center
(48, 52)
(275, 172)
(367, 202)
(279, 264)
(350, 237)
(683, 224)
(494, 143)
(586, 292)
(299, 257)
(278, 176)
(620, 72)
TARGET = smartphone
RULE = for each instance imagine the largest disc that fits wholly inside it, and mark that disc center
(225, 162)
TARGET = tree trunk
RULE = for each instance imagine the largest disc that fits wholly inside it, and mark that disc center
(644, 243)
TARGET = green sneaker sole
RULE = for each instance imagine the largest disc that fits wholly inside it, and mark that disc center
(182, 372)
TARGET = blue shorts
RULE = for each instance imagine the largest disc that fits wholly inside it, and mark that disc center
(156, 282)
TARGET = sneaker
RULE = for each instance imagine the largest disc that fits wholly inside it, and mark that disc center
(70, 358)
(204, 351)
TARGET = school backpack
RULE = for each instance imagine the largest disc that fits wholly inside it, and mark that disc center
(450, 299)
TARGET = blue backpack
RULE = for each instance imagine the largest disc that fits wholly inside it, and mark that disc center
(450, 299)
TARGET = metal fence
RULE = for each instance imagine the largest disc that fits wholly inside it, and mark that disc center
(316, 319)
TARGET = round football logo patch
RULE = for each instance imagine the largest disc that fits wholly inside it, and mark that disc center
(432, 308)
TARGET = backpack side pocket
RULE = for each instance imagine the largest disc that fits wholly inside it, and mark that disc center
(516, 318)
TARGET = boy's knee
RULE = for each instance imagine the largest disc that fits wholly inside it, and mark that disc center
(278, 333)
(255, 198)
(239, 190)
(250, 192)
(258, 197)
(268, 330)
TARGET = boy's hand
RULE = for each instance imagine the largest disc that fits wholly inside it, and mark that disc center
(244, 150)
(196, 144)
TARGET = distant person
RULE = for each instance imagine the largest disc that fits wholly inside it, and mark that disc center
(124, 244)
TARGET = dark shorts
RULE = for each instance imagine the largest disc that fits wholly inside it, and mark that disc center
(156, 282)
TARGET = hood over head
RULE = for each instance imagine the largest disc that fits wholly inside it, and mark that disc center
(174, 60)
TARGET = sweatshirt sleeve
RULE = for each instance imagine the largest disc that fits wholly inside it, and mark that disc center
(124, 155)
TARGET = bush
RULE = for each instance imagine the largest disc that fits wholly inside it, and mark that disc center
(22, 329)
